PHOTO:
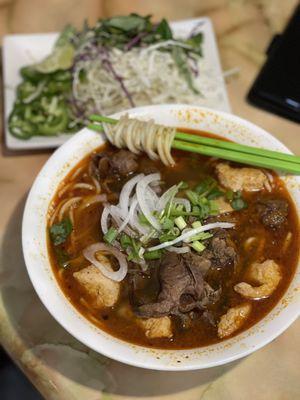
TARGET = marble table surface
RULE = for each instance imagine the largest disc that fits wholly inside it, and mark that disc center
(58, 365)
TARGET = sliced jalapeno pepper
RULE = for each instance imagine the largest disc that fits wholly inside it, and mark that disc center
(18, 126)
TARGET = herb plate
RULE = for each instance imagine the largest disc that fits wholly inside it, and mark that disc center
(21, 50)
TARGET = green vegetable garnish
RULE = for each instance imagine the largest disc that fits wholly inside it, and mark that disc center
(198, 246)
(143, 220)
(153, 255)
(60, 232)
(167, 224)
(180, 222)
(110, 235)
(238, 204)
(196, 224)
(192, 196)
(236, 200)
(229, 194)
(125, 241)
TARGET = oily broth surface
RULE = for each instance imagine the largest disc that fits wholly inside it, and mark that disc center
(118, 320)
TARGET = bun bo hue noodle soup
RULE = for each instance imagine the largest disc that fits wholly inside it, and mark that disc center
(175, 256)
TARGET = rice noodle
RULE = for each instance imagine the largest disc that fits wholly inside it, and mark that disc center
(192, 232)
(76, 173)
(138, 136)
(90, 254)
(89, 200)
(67, 204)
(62, 191)
(97, 185)
(82, 185)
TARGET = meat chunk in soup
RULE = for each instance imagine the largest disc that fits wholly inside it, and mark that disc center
(157, 327)
(248, 179)
(266, 274)
(233, 320)
(220, 250)
(103, 291)
(273, 212)
(182, 287)
(122, 162)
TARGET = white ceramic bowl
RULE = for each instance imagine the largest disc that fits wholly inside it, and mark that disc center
(44, 282)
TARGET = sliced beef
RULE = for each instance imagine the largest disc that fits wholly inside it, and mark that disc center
(122, 162)
(182, 286)
(273, 213)
(220, 251)
(195, 261)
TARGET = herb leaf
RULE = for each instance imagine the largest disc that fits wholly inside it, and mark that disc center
(164, 30)
(60, 232)
(127, 23)
(180, 59)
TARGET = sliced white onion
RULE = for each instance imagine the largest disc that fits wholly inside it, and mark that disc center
(179, 250)
(166, 196)
(135, 224)
(129, 215)
(126, 192)
(142, 192)
(104, 219)
(184, 202)
(119, 218)
(192, 232)
(90, 254)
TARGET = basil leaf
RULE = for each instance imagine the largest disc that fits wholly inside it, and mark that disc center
(127, 23)
(60, 232)
(180, 59)
(164, 30)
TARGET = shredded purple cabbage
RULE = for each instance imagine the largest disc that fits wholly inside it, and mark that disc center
(106, 61)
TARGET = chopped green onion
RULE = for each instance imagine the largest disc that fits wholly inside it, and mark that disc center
(192, 196)
(200, 236)
(239, 204)
(214, 208)
(198, 246)
(167, 224)
(153, 255)
(206, 186)
(183, 185)
(110, 235)
(125, 241)
(229, 195)
(180, 222)
(143, 220)
(196, 224)
(215, 193)
(166, 237)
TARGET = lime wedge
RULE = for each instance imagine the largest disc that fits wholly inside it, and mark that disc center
(60, 58)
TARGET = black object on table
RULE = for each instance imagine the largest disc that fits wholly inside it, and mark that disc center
(13, 383)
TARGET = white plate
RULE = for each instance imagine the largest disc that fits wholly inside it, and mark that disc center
(21, 50)
(34, 240)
